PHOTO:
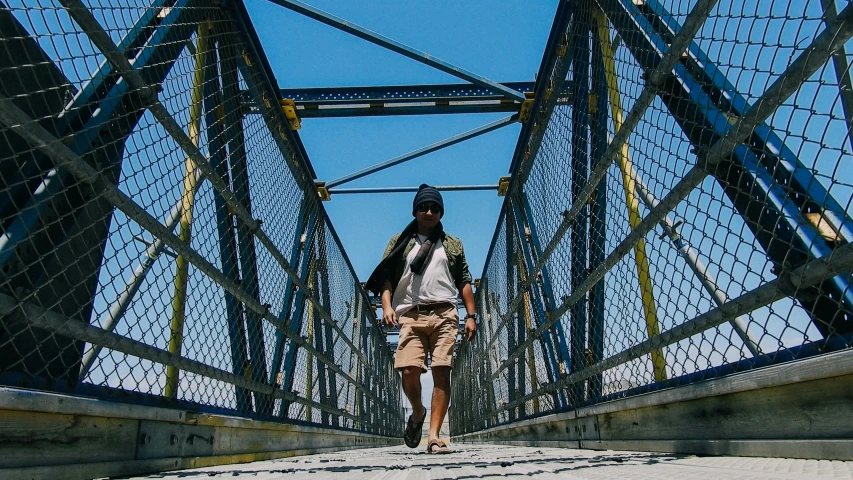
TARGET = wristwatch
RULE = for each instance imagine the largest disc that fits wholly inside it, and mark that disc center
(472, 316)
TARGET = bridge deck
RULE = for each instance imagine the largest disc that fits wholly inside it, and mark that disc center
(485, 461)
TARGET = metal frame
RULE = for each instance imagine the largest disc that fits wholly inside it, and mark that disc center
(397, 47)
(100, 139)
(489, 127)
(579, 53)
(187, 203)
(442, 188)
(601, 39)
(793, 280)
(47, 143)
(555, 363)
(675, 420)
(331, 102)
(744, 171)
(598, 208)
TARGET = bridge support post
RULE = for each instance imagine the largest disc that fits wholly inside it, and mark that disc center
(187, 200)
(235, 138)
(579, 87)
(598, 211)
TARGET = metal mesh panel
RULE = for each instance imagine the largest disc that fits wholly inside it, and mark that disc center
(682, 213)
(162, 240)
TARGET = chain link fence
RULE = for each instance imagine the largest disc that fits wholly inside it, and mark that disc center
(163, 242)
(682, 213)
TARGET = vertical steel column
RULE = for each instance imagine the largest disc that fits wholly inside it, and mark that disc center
(498, 361)
(511, 322)
(287, 303)
(489, 354)
(520, 316)
(349, 318)
(179, 299)
(313, 323)
(306, 241)
(598, 214)
(225, 223)
(326, 298)
(316, 329)
(362, 343)
(579, 87)
(546, 340)
(235, 138)
(547, 288)
(629, 187)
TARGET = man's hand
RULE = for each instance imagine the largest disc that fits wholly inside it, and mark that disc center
(470, 329)
(389, 316)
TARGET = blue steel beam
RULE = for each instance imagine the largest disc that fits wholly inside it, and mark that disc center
(550, 78)
(579, 86)
(701, 99)
(598, 216)
(296, 250)
(90, 111)
(259, 77)
(326, 332)
(235, 139)
(224, 227)
(319, 328)
(476, 132)
(443, 188)
(547, 286)
(547, 341)
(391, 109)
(512, 322)
(332, 102)
(291, 349)
(98, 120)
(397, 47)
(454, 92)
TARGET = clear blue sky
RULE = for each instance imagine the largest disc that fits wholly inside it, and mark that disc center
(500, 40)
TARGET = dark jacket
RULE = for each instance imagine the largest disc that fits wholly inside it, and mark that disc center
(394, 260)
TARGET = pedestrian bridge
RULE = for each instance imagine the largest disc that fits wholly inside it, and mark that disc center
(669, 275)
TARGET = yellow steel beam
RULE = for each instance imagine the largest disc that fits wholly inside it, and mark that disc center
(179, 301)
(309, 375)
(632, 201)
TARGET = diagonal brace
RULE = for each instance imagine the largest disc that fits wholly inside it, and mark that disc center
(396, 46)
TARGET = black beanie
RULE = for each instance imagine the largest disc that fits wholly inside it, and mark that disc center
(427, 194)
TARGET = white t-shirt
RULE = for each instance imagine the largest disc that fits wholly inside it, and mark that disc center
(435, 285)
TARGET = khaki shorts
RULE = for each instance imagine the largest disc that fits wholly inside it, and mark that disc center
(432, 331)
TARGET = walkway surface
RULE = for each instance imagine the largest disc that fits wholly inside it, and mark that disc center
(495, 461)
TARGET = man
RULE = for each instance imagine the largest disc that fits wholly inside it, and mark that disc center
(419, 279)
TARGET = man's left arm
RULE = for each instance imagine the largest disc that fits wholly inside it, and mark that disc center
(470, 322)
(467, 291)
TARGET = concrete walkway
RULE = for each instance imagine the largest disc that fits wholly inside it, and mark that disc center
(496, 461)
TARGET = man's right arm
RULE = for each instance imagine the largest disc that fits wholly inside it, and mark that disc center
(389, 316)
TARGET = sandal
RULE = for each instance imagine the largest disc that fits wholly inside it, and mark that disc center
(412, 435)
(438, 447)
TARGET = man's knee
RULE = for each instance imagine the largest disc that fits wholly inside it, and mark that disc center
(411, 372)
(441, 374)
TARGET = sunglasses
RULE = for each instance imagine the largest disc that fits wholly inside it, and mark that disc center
(426, 207)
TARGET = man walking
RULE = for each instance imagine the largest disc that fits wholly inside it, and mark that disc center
(419, 279)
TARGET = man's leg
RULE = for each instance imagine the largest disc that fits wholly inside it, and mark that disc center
(442, 340)
(440, 399)
(412, 388)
